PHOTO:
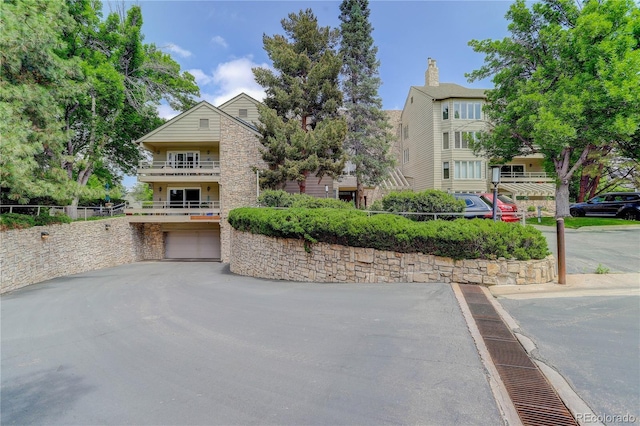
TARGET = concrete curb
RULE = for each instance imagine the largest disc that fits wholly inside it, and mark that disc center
(576, 405)
(500, 394)
(577, 285)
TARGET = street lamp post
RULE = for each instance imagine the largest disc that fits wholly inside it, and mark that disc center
(495, 180)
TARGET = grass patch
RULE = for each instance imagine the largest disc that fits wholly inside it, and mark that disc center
(579, 222)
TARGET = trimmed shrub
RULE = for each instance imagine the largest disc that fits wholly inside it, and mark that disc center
(429, 201)
(22, 221)
(46, 219)
(279, 198)
(275, 198)
(458, 239)
(16, 221)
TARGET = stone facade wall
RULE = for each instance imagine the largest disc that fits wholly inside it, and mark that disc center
(239, 152)
(27, 258)
(151, 240)
(286, 259)
(548, 207)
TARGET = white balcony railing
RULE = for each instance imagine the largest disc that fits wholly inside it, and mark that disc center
(151, 169)
(525, 177)
(190, 205)
(179, 164)
(174, 211)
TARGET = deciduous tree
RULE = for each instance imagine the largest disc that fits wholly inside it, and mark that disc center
(567, 82)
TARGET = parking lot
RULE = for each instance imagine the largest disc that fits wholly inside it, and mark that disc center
(190, 343)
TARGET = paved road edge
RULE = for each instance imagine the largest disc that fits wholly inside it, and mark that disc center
(500, 394)
(577, 406)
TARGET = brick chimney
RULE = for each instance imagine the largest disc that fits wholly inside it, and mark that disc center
(431, 77)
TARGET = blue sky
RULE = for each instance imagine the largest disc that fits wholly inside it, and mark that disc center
(220, 41)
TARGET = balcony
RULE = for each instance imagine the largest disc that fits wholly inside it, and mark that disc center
(172, 211)
(184, 171)
(525, 177)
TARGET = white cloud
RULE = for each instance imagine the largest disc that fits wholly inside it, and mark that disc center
(219, 41)
(234, 77)
(166, 112)
(228, 80)
(174, 48)
(201, 77)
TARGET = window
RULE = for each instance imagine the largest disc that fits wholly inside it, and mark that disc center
(445, 140)
(412, 99)
(182, 160)
(204, 123)
(445, 170)
(405, 156)
(467, 169)
(462, 139)
(445, 110)
(184, 197)
(512, 170)
(405, 131)
(467, 110)
(242, 113)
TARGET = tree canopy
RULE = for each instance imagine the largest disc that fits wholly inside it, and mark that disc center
(567, 82)
(93, 87)
(301, 130)
(368, 139)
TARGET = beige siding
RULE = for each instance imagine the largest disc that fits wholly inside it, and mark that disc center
(207, 152)
(213, 194)
(242, 101)
(314, 188)
(418, 116)
(187, 127)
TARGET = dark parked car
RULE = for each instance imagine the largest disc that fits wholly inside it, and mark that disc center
(625, 205)
(476, 208)
(507, 208)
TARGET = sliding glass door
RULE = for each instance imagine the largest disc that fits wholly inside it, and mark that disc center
(184, 160)
(184, 197)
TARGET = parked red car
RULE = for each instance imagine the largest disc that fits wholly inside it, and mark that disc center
(506, 206)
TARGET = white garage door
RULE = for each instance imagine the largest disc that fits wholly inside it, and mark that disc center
(201, 244)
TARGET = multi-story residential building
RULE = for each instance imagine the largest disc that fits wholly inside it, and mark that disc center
(436, 124)
(200, 167)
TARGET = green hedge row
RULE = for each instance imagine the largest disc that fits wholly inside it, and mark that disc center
(458, 239)
(22, 221)
(429, 201)
(280, 198)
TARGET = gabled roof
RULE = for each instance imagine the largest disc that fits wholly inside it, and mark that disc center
(201, 104)
(240, 96)
(450, 90)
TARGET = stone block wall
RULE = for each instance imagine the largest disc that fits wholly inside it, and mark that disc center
(27, 258)
(239, 151)
(287, 259)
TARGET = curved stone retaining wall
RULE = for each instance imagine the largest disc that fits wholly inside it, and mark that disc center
(286, 259)
(27, 258)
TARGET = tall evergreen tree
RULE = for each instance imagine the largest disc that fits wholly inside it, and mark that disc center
(301, 130)
(33, 85)
(368, 139)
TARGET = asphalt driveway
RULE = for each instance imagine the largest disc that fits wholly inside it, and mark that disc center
(612, 247)
(190, 343)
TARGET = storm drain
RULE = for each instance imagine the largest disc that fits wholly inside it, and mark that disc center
(533, 397)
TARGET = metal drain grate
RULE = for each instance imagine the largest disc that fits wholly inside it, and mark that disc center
(533, 397)
(494, 329)
(483, 310)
